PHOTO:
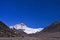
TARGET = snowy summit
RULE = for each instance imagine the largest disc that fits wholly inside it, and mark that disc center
(26, 29)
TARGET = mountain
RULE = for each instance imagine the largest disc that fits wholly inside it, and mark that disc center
(5, 31)
(51, 30)
(25, 28)
(54, 27)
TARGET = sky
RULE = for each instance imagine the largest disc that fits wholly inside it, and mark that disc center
(34, 13)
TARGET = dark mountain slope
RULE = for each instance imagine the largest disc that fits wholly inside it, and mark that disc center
(54, 27)
(5, 31)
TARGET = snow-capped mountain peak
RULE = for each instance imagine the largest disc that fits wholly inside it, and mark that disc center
(26, 29)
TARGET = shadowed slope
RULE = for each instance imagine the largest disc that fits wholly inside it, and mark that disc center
(54, 27)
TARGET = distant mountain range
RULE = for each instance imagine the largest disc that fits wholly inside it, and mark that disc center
(52, 32)
(25, 28)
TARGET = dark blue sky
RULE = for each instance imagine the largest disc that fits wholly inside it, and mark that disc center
(34, 13)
